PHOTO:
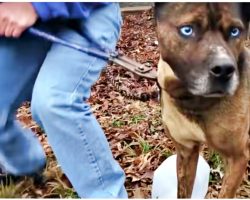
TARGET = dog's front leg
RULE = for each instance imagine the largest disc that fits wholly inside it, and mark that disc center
(187, 159)
(235, 169)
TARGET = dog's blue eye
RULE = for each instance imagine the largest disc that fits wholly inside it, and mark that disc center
(235, 32)
(186, 31)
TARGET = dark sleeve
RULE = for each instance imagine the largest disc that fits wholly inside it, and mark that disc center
(63, 10)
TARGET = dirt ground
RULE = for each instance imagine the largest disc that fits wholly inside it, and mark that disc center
(133, 127)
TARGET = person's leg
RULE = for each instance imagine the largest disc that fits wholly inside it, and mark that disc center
(20, 60)
(59, 105)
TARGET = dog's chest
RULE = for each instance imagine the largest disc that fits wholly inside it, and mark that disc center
(183, 129)
(228, 119)
(188, 126)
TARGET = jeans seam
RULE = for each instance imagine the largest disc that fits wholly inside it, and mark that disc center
(93, 160)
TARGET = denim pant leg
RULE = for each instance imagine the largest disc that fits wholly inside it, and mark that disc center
(20, 60)
(58, 104)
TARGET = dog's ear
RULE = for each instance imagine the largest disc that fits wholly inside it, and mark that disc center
(159, 8)
(245, 12)
(244, 61)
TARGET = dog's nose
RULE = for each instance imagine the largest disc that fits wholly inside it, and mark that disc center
(225, 71)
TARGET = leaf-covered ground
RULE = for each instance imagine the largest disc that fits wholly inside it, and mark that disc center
(133, 127)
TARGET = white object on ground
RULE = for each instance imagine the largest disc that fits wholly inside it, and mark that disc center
(165, 179)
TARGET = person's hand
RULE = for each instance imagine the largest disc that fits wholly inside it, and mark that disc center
(15, 18)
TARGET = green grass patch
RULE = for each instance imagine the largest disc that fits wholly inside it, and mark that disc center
(66, 193)
(215, 160)
(167, 153)
(118, 123)
(137, 119)
(145, 146)
(10, 191)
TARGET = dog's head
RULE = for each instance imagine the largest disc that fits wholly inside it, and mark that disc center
(203, 43)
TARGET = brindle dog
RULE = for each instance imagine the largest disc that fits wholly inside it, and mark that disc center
(204, 78)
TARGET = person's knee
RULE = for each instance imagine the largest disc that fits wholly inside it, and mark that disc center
(45, 102)
(50, 104)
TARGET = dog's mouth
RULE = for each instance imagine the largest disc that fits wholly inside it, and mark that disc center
(214, 89)
(212, 94)
(217, 94)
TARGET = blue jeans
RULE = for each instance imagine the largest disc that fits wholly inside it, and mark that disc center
(57, 80)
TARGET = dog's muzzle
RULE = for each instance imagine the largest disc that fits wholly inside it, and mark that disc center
(218, 78)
